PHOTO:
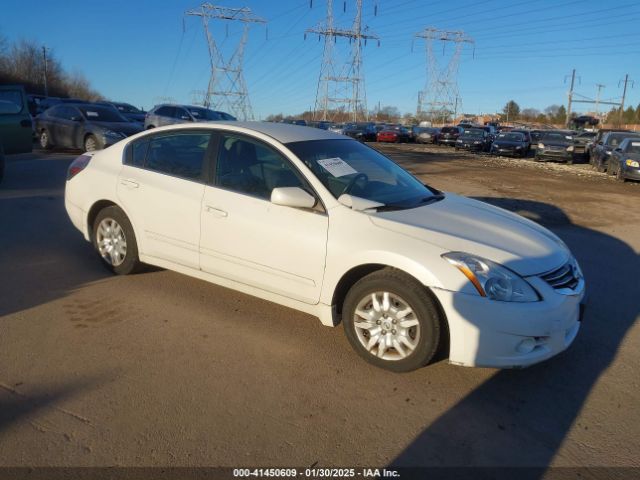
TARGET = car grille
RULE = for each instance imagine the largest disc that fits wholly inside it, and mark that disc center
(566, 276)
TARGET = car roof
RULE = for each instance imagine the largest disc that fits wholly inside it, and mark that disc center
(282, 132)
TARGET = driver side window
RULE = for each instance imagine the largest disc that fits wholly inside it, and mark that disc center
(250, 167)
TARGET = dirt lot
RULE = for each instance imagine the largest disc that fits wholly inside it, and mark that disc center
(159, 369)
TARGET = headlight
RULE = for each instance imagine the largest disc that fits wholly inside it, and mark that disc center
(607, 152)
(632, 163)
(541, 145)
(570, 148)
(111, 133)
(492, 280)
(476, 142)
(518, 147)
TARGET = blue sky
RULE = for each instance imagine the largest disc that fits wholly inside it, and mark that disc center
(138, 51)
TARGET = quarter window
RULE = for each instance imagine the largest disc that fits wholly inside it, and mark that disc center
(252, 168)
(10, 102)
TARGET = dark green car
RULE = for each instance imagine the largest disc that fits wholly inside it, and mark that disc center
(16, 127)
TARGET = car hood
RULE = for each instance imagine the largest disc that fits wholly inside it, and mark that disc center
(458, 223)
(128, 128)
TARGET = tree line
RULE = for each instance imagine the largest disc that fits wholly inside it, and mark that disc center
(23, 62)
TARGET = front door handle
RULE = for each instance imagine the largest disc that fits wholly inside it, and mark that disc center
(215, 211)
(129, 183)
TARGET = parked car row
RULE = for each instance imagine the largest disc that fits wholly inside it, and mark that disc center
(616, 152)
(72, 123)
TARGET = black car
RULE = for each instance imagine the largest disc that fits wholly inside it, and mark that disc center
(474, 139)
(363, 132)
(555, 145)
(602, 151)
(83, 125)
(510, 143)
(536, 135)
(449, 135)
(625, 160)
(527, 136)
(126, 110)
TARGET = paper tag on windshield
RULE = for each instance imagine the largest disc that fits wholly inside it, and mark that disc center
(635, 144)
(92, 114)
(336, 166)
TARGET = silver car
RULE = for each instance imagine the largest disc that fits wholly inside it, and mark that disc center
(169, 114)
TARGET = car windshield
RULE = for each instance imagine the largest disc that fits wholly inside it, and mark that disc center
(511, 137)
(473, 133)
(615, 139)
(126, 108)
(204, 114)
(633, 147)
(556, 137)
(95, 113)
(347, 166)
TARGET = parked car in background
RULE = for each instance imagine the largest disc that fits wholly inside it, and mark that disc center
(449, 135)
(555, 145)
(170, 114)
(83, 125)
(474, 139)
(15, 123)
(127, 110)
(591, 148)
(323, 224)
(363, 132)
(321, 124)
(527, 137)
(393, 134)
(624, 162)
(337, 128)
(582, 142)
(428, 135)
(510, 143)
(536, 135)
(605, 147)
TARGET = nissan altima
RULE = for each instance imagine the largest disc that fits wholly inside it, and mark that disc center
(324, 224)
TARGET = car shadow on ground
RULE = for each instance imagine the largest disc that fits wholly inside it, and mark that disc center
(521, 418)
(37, 235)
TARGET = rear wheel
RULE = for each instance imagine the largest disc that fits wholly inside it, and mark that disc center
(391, 321)
(45, 139)
(90, 143)
(115, 241)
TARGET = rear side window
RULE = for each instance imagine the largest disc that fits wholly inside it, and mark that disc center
(10, 102)
(165, 111)
(178, 154)
(138, 153)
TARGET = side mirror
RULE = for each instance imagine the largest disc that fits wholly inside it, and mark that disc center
(292, 197)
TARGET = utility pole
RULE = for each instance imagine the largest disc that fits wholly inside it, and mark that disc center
(440, 95)
(341, 88)
(44, 56)
(624, 94)
(573, 79)
(227, 89)
(599, 86)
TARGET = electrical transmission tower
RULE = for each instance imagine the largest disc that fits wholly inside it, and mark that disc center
(227, 89)
(341, 88)
(440, 97)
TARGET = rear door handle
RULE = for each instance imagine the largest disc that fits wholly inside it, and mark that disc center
(215, 211)
(129, 183)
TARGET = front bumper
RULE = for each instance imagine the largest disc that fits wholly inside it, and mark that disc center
(508, 151)
(487, 333)
(631, 173)
(554, 154)
(472, 147)
(447, 141)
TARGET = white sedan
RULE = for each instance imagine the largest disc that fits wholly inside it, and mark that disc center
(324, 224)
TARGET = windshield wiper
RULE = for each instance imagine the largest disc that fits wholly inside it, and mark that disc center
(423, 201)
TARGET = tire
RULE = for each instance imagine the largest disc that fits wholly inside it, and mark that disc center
(91, 143)
(105, 230)
(45, 139)
(396, 292)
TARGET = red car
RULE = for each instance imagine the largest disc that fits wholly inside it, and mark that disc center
(393, 135)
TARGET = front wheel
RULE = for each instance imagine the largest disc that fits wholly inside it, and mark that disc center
(391, 321)
(115, 241)
(91, 143)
